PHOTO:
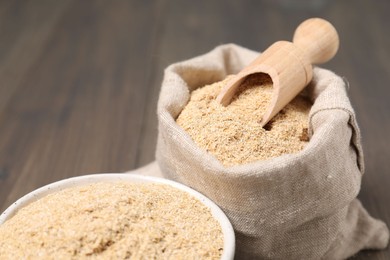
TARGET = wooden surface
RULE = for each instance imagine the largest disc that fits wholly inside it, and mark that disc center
(79, 80)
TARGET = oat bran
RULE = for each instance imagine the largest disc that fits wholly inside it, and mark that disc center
(113, 220)
(233, 133)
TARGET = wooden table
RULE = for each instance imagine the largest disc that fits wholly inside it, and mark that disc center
(79, 80)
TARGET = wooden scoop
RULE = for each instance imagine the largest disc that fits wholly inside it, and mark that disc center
(289, 64)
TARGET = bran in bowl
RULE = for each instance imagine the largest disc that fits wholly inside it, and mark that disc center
(118, 220)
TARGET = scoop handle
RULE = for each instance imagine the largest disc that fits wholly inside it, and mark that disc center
(289, 64)
(318, 39)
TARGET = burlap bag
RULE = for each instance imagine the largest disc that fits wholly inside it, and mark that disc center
(296, 206)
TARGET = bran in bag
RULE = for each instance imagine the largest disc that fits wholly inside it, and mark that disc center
(233, 134)
(294, 206)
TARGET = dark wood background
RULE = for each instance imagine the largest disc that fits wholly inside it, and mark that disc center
(79, 80)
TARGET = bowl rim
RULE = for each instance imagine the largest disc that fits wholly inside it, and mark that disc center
(216, 211)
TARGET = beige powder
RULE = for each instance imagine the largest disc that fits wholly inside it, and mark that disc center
(233, 133)
(113, 221)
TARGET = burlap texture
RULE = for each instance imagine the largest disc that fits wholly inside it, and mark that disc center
(296, 206)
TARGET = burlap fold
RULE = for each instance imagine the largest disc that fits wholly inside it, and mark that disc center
(296, 206)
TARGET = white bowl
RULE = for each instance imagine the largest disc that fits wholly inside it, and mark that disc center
(227, 229)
